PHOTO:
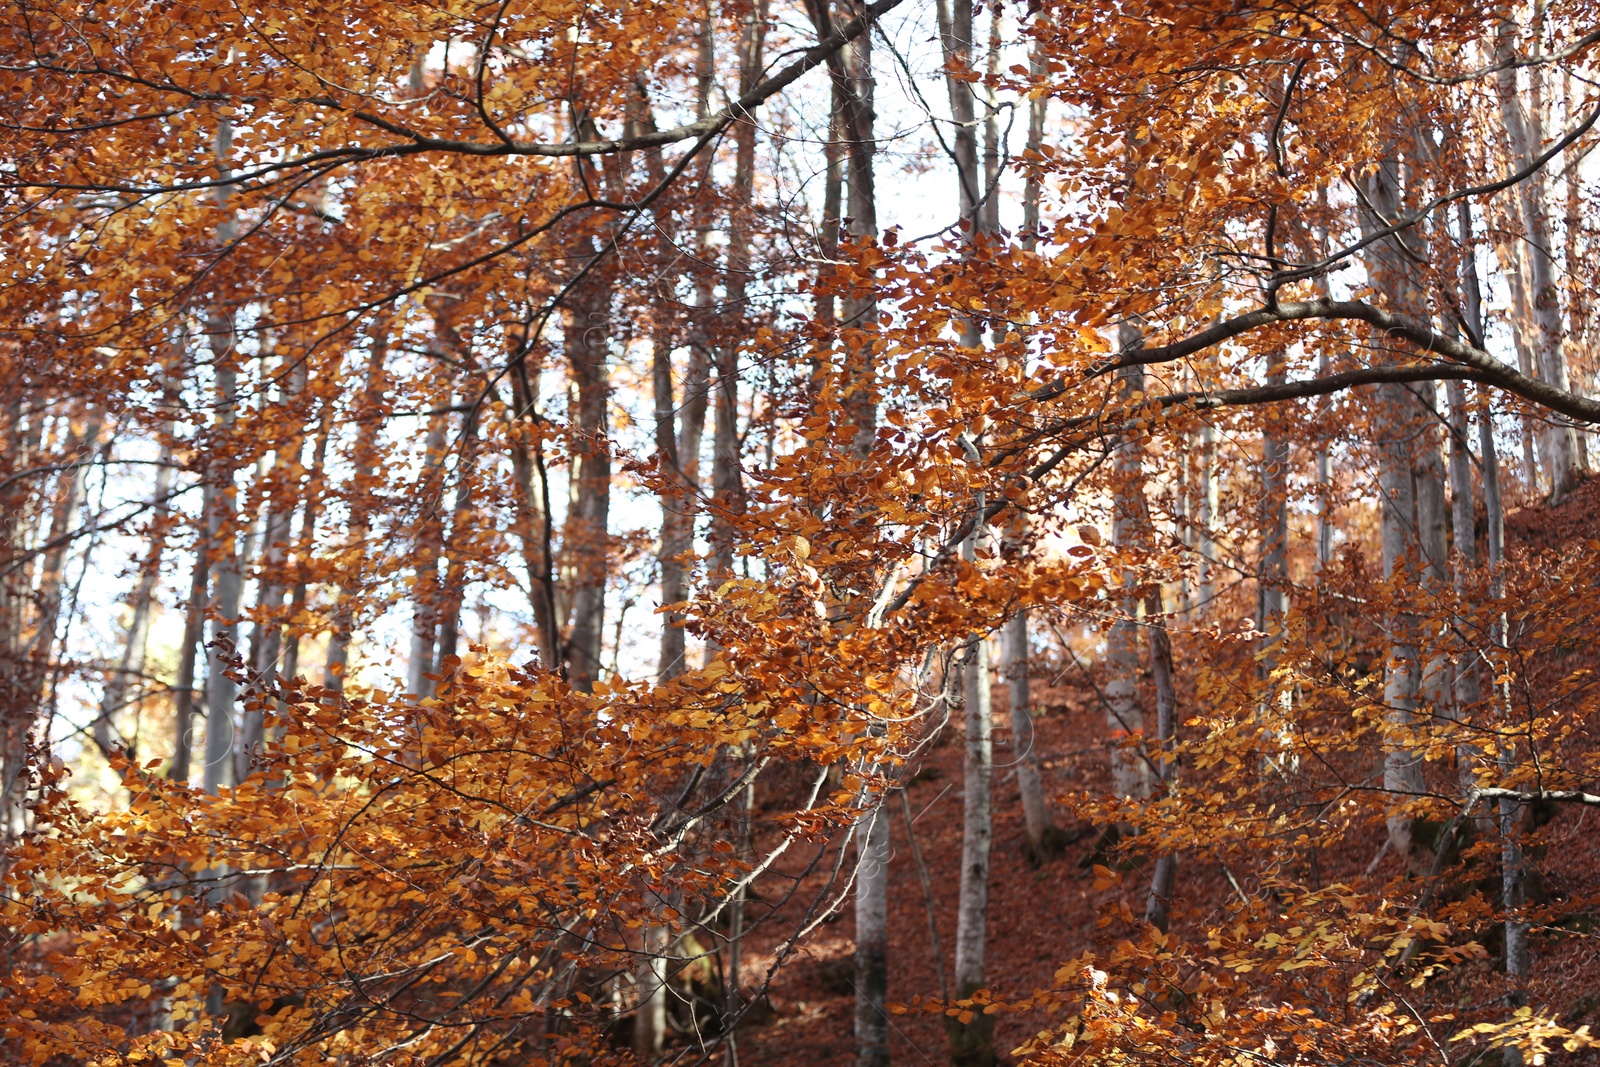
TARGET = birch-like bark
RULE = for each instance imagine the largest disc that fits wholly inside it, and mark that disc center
(1124, 713)
(227, 567)
(1523, 142)
(872, 937)
(427, 545)
(1398, 431)
(860, 310)
(972, 1043)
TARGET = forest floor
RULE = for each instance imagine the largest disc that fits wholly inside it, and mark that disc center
(1042, 916)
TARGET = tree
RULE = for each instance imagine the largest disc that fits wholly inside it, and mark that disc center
(418, 315)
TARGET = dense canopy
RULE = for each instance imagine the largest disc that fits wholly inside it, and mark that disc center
(507, 507)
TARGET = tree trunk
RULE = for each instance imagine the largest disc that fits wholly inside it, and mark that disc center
(1130, 775)
(428, 542)
(972, 1043)
(266, 642)
(1043, 837)
(1523, 141)
(462, 533)
(1158, 903)
(1401, 519)
(363, 463)
(585, 538)
(872, 937)
(130, 671)
(727, 479)
(194, 622)
(31, 664)
(1273, 578)
(227, 575)
(1206, 499)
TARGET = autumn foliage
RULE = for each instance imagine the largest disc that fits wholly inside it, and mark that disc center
(505, 505)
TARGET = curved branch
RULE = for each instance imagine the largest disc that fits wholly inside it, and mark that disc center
(1486, 368)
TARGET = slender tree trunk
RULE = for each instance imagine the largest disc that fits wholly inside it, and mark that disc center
(1124, 714)
(1158, 902)
(1206, 499)
(727, 480)
(585, 541)
(872, 937)
(316, 489)
(227, 568)
(33, 663)
(972, 1043)
(462, 533)
(194, 621)
(1043, 837)
(1401, 520)
(428, 542)
(860, 311)
(266, 642)
(130, 671)
(363, 463)
(1523, 141)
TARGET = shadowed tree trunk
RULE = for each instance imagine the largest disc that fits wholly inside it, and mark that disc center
(363, 463)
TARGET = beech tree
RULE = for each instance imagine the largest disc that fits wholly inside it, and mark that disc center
(390, 675)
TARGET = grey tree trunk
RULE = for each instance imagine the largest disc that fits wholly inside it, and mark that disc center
(429, 539)
(266, 642)
(1400, 521)
(1043, 838)
(1130, 776)
(222, 521)
(130, 671)
(872, 937)
(194, 621)
(32, 663)
(1523, 141)
(363, 462)
(1158, 902)
(860, 312)
(227, 578)
(727, 478)
(972, 1043)
(1206, 501)
(586, 337)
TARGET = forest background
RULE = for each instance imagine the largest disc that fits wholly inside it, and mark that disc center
(512, 510)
